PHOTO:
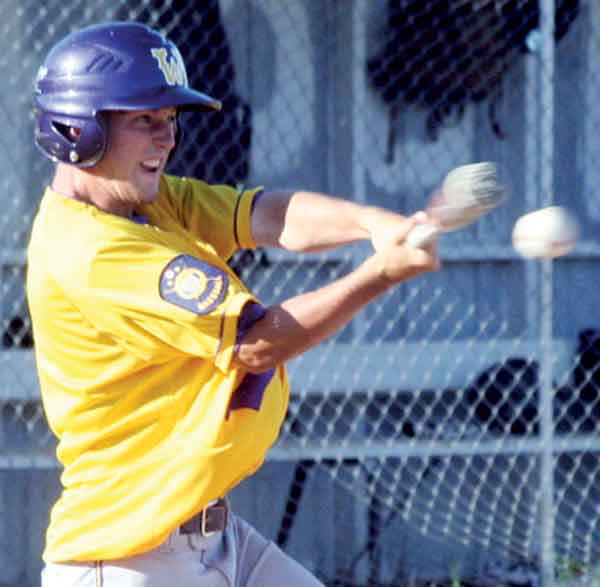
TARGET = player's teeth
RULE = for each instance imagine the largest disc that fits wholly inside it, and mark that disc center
(151, 165)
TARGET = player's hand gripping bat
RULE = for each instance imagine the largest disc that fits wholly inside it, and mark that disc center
(467, 193)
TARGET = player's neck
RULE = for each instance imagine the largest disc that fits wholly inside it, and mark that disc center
(77, 184)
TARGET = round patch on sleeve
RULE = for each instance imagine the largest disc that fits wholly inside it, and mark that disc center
(193, 284)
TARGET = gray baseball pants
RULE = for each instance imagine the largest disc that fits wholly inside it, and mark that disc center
(238, 557)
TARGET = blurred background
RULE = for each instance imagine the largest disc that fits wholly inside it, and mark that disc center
(450, 433)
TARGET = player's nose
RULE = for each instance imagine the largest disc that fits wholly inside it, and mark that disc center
(165, 134)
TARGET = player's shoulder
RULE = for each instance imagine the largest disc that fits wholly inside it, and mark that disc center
(179, 187)
(184, 199)
(92, 235)
(87, 224)
(113, 250)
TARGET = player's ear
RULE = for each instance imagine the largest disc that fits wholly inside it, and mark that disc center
(74, 133)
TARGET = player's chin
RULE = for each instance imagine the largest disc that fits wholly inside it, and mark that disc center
(148, 189)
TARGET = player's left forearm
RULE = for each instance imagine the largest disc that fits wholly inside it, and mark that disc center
(305, 221)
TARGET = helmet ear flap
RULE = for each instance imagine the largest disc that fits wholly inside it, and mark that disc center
(79, 141)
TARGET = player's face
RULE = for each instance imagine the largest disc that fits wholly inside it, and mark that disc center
(138, 147)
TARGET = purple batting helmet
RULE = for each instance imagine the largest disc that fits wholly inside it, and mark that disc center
(110, 66)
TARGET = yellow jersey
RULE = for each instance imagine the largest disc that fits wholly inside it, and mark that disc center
(135, 326)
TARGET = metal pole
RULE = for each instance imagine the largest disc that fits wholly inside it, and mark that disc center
(546, 330)
(532, 176)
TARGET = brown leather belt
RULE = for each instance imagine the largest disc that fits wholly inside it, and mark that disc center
(211, 519)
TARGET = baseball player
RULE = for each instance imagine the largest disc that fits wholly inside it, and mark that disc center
(161, 374)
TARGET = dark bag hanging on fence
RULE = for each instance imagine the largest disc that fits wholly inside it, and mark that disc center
(505, 396)
(442, 54)
(217, 145)
(579, 399)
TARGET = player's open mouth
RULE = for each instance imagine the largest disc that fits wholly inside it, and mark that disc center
(151, 165)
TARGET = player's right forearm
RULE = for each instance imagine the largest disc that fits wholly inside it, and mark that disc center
(304, 321)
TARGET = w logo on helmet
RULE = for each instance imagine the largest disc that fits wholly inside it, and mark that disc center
(171, 66)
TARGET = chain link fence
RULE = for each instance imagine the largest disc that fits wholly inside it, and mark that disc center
(452, 430)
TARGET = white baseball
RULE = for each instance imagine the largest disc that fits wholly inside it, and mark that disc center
(546, 233)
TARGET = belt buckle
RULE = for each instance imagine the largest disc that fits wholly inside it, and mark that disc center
(209, 521)
(206, 533)
(219, 512)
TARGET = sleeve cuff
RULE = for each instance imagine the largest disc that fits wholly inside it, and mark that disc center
(231, 317)
(243, 219)
(250, 315)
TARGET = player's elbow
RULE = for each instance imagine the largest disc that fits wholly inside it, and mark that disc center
(258, 358)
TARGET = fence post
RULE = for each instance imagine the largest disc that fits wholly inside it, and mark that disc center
(546, 331)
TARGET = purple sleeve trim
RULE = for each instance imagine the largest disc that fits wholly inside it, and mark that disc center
(251, 313)
(257, 197)
(250, 391)
(237, 209)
